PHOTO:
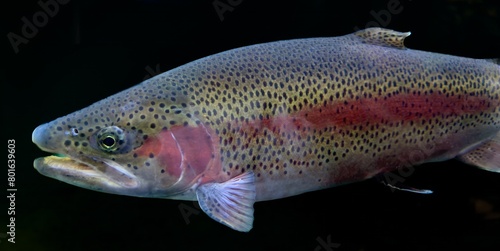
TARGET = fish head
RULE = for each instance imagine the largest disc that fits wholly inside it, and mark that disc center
(131, 143)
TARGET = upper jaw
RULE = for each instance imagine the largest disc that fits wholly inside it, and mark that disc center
(93, 173)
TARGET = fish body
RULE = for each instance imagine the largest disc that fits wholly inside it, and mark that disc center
(277, 119)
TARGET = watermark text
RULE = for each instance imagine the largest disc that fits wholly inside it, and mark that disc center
(222, 7)
(327, 244)
(11, 190)
(40, 19)
(383, 17)
(187, 211)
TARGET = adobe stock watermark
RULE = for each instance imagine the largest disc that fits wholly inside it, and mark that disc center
(382, 18)
(187, 210)
(326, 245)
(30, 27)
(152, 72)
(11, 190)
(408, 163)
(222, 7)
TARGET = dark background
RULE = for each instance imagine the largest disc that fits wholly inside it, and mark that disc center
(91, 49)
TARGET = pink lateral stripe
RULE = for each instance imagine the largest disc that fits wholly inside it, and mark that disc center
(376, 110)
(396, 108)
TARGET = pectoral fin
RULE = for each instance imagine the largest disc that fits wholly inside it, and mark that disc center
(486, 156)
(231, 202)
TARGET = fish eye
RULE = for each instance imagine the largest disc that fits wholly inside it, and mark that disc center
(108, 142)
(110, 139)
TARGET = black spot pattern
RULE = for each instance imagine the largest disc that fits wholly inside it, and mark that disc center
(386, 107)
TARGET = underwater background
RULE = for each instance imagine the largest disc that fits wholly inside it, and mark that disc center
(84, 51)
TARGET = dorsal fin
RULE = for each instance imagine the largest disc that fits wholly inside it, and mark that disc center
(493, 60)
(383, 37)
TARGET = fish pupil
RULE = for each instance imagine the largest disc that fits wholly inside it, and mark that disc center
(108, 142)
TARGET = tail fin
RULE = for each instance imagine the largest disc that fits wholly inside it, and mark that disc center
(486, 156)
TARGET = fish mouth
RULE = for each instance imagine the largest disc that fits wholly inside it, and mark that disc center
(93, 173)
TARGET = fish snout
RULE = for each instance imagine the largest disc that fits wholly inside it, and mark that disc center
(41, 137)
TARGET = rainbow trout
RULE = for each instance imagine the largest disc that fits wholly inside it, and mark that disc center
(278, 119)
